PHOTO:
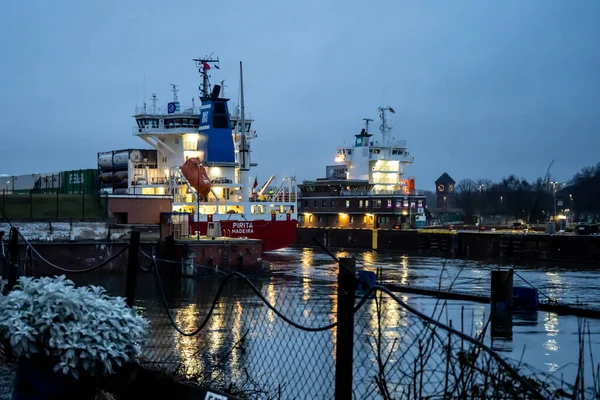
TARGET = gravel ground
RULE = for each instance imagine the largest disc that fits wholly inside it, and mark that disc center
(7, 375)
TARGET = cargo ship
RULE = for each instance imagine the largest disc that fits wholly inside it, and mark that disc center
(201, 160)
(366, 187)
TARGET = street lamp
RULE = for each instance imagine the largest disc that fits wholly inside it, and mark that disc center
(570, 208)
(480, 202)
(554, 198)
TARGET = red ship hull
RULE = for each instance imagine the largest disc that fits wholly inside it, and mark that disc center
(274, 234)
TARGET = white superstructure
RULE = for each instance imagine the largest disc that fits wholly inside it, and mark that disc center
(379, 161)
(181, 133)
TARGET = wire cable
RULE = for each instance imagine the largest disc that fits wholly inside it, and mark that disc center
(216, 299)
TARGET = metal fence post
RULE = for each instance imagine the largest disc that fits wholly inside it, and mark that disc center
(132, 267)
(345, 328)
(31, 204)
(13, 246)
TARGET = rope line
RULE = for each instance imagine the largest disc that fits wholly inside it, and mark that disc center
(41, 257)
(66, 270)
(216, 299)
(550, 299)
(180, 263)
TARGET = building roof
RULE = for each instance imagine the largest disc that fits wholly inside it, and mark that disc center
(445, 179)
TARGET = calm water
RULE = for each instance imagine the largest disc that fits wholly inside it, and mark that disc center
(254, 340)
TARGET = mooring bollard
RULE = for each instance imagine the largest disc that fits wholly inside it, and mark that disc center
(502, 289)
(345, 329)
(132, 267)
(501, 298)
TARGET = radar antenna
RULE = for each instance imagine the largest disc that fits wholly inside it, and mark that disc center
(204, 65)
(367, 120)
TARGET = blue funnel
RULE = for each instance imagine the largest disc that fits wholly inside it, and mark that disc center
(216, 142)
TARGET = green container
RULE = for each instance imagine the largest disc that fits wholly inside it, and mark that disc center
(80, 181)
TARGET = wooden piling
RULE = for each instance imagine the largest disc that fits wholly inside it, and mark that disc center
(132, 267)
(345, 328)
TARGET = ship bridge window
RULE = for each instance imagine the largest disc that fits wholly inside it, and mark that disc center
(394, 151)
(233, 124)
(349, 152)
(148, 122)
(247, 126)
(376, 151)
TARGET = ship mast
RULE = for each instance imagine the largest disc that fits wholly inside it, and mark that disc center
(367, 120)
(203, 65)
(244, 155)
(175, 91)
(384, 128)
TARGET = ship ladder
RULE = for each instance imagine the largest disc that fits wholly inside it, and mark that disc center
(226, 250)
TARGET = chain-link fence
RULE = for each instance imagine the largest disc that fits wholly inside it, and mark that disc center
(240, 335)
(262, 338)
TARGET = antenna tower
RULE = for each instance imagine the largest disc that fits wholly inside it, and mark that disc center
(175, 91)
(204, 65)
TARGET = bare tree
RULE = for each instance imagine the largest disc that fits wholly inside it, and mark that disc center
(466, 196)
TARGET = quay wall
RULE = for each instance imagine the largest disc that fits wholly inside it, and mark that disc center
(467, 244)
(242, 256)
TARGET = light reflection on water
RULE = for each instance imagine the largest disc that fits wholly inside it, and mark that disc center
(547, 346)
(305, 280)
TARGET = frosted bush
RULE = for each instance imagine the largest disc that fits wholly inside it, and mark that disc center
(79, 329)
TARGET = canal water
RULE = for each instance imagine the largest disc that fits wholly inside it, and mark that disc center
(244, 338)
(546, 341)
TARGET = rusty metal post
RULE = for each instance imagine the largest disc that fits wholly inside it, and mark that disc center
(132, 267)
(13, 262)
(345, 328)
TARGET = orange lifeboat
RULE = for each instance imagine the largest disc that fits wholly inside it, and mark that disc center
(411, 185)
(196, 175)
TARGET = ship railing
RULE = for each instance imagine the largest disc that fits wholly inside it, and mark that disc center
(149, 110)
(136, 130)
(287, 198)
(373, 192)
(396, 144)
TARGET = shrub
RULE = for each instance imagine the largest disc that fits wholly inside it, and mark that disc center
(78, 329)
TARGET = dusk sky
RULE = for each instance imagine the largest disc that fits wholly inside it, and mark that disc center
(481, 89)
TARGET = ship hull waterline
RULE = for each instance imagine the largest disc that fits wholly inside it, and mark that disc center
(273, 234)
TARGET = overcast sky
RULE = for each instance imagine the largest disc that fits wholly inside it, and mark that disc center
(482, 89)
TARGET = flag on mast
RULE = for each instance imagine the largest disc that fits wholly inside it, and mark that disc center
(205, 65)
(255, 182)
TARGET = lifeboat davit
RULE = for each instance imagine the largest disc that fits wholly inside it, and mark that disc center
(196, 175)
